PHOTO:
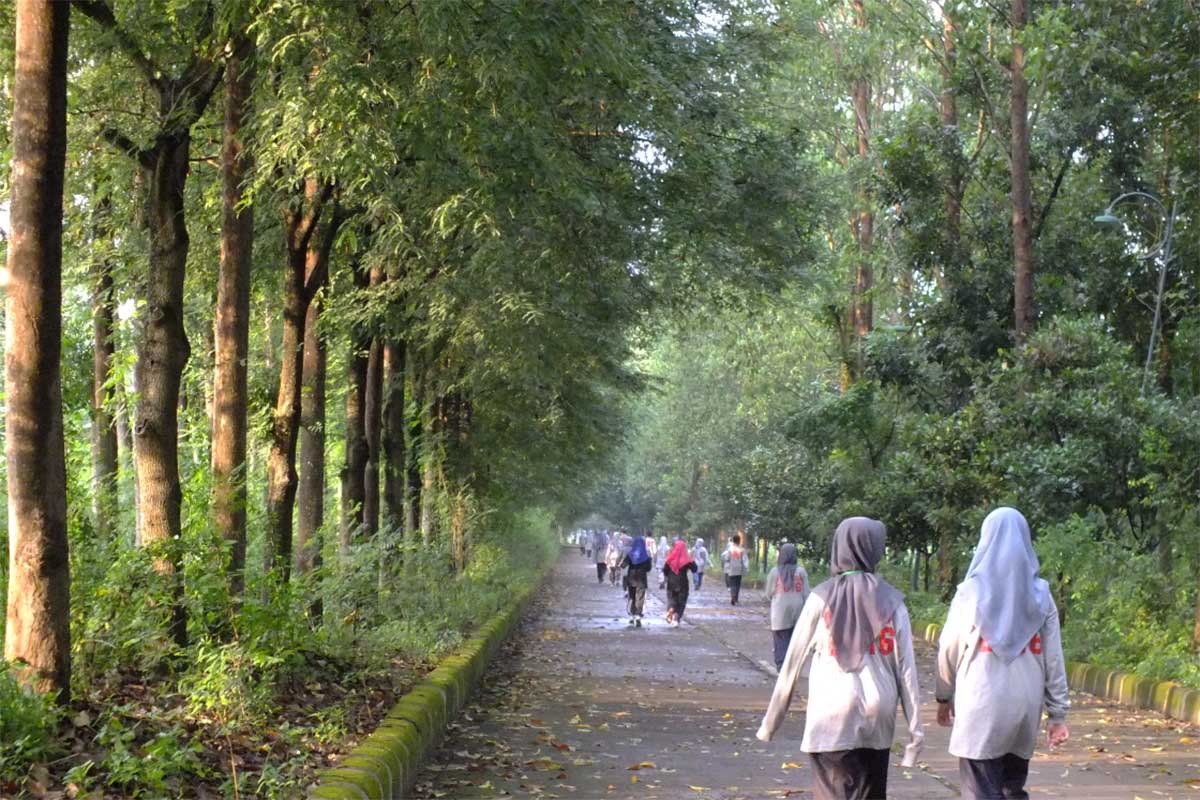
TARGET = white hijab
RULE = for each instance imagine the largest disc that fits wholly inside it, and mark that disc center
(1002, 585)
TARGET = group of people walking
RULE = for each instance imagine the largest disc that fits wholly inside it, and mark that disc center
(1000, 663)
(631, 558)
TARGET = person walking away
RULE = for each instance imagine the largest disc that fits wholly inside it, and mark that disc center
(1000, 663)
(599, 552)
(700, 556)
(787, 591)
(637, 563)
(675, 573)
(581, 538)
(651, 547)
(612, 558)
(855, 631)
(736, 562)
(660, 560)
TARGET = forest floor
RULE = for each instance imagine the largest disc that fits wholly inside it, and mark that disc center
(580, 704)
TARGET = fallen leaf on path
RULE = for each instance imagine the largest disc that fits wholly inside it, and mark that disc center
(791, 765)
(644, 765)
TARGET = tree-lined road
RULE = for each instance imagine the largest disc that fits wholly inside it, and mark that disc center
(582, 705)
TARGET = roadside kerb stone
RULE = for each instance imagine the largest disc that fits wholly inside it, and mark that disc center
(385, 765)
(1166, 697)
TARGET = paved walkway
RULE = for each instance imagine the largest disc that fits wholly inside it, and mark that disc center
(581, 705)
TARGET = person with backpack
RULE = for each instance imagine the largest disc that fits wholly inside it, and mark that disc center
(787, 590)
(1000, 663)
(736, 562)
(855, 631)
(637, 565)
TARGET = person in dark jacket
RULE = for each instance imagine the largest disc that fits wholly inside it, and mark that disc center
(637, 563)
(675, 572)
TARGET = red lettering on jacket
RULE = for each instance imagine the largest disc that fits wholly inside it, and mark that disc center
(1035, 646)
(887, 640)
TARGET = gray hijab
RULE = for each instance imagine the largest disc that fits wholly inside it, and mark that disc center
(788, 558)
(858, 602)
(1009, 600)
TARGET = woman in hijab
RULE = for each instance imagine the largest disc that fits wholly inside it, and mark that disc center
(1000, 662)
(700, 555)
(787, 589)
(637, 561)
(675, 573)
(613, 558)
(855, 630)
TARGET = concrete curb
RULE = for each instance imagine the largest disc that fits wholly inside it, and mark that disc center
(385, 766)
(1166, 697)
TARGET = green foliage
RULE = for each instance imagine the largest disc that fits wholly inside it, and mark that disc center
(155, 768)
(28, 723)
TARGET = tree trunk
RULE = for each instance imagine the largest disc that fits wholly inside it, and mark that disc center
(307, 263)
(373, 424)
(161, 359)
(354, 471)
(311, 493)
(951, 266)
(104, 430)
(231, 329)
(947, 571)
(412, 443)
(1196, 627)
(430, 456)
(37, 637)
(1022, 204)
(393, 435)
(863, 311)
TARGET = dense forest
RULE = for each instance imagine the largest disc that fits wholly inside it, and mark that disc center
(354, 307)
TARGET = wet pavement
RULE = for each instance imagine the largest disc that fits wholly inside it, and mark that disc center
(581, 704)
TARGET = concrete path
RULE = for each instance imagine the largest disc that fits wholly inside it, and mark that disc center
(582, 705)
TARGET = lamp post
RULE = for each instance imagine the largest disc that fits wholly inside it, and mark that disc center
(1161, 246)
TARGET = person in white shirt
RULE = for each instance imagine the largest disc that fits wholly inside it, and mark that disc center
(787, 590)
(1000, 663)
(700, 556)
(855, 630)
(736, 563)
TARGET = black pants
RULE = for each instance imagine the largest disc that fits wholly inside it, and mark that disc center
(677, 600)
(735, 588)
(601, 568)
(859, 774)
(994, 778)
(782, 639)
(637, 599)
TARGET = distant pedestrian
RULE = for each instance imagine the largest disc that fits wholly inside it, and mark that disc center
(599, 552)
(582, 539)
(787, 589)
(700, 556)
(736, 563)
(637, 563)
(612, 558)
(651, 547)
(675, 572)
(662, 550)
(1000, 663)
(855, 630)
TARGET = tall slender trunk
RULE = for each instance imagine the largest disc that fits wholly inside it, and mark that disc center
(412, 445)
(1022, 204)
(311, 494)
(37, 636)
(373, 424)
(393, 435)
(430, 458)
(231, 327)
(307, 263)
(163, 353)
(863, 223)
(951, 265)
(354, 470)
(104, 430)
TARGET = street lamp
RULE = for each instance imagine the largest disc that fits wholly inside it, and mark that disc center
(1161, 246)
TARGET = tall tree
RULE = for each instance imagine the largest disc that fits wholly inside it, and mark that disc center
(308, 241)
(863, 219)
(232, 322)
(373, 426)
(1022, 202)
(310, 499)
(37, 633)
(393, 433)
(181, 95)
(104, 429)
(353, 476)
